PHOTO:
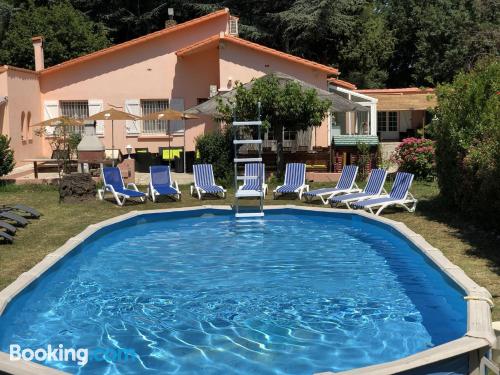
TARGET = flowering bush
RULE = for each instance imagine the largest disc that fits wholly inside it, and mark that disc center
(417, 156)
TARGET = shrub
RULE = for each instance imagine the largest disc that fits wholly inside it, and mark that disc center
(6, 156)
(467, 132)
(417, 156)
(216, 148)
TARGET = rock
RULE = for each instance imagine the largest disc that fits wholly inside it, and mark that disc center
(77, 187)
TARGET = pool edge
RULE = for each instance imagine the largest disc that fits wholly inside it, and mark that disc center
(479, 321)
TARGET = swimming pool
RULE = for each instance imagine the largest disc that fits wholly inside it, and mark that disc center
(297, 292)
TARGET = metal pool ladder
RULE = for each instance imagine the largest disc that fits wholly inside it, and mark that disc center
(249, 128)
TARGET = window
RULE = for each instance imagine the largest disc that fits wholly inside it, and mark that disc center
(393, 121)
(154, 126)
(76, 109)
(387, 121)
(289, 135)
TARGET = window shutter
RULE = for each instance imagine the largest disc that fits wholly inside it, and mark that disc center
(51, 110)
(133, 106)
(96, 106)
(177, 104)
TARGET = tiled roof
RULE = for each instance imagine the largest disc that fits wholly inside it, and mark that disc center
(247, 44)
(145, 38)
(353, 140)
(341, 83)
(402, 91)
(196, 46)
(286, 56)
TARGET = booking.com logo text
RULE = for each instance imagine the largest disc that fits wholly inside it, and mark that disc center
(59, 353)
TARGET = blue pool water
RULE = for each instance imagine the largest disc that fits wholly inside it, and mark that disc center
(294, 293)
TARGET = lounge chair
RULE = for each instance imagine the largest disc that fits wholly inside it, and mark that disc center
(113, 182)
(9, 228)
(160, 183)
(22, 210)
(204, 182)
(295, 180)
(19, 220)
(399, 196)
(346, 184)
(254, 173)
(7, 237)
(374, 187)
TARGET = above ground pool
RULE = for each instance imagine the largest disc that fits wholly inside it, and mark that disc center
(295, 292)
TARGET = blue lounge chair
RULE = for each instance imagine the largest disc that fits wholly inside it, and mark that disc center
(160, 183)
(254, 179)
(374, 187)
(399, 196)
(295, 180)
(204, 182)
(346, 184)
(113, 182)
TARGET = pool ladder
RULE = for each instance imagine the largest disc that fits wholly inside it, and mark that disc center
(239, 127)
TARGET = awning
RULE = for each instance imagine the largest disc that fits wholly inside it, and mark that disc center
(353, 140)
(338, 103)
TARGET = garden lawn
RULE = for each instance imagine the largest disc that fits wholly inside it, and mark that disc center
(474, 250)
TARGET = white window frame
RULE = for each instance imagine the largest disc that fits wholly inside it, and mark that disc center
(387, 116)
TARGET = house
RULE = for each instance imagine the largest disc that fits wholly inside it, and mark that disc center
(177, 67)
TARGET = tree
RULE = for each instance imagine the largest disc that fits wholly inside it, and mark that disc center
(437, 39)
(68, 33)
(6, 156)
(282, 105)
(467, 132)
(365, 55)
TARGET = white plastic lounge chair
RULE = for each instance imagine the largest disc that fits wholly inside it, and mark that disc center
(255, 174)
(160, 183)
(374, 187)
(19, 220)
(295, 180)
(204, 182)
(113, 182)
(399, 196)
(346, 184)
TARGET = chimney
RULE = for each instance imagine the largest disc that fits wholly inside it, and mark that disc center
(170, 22)
(38, 47)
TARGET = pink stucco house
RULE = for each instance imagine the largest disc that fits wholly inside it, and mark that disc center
(177, 67)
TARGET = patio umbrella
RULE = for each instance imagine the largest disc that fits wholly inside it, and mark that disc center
(113, 114)
(167, 115)
(60, 121)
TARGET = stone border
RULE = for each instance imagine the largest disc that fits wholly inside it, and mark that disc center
(479, 325)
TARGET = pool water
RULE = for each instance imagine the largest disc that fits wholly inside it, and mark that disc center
(293, 293)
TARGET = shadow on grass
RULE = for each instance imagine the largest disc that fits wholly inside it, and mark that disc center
(484, 243)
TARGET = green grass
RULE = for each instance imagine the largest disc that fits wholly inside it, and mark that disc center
(468, 246)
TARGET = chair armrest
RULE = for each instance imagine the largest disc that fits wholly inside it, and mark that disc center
(176, 186)
(134, 187)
